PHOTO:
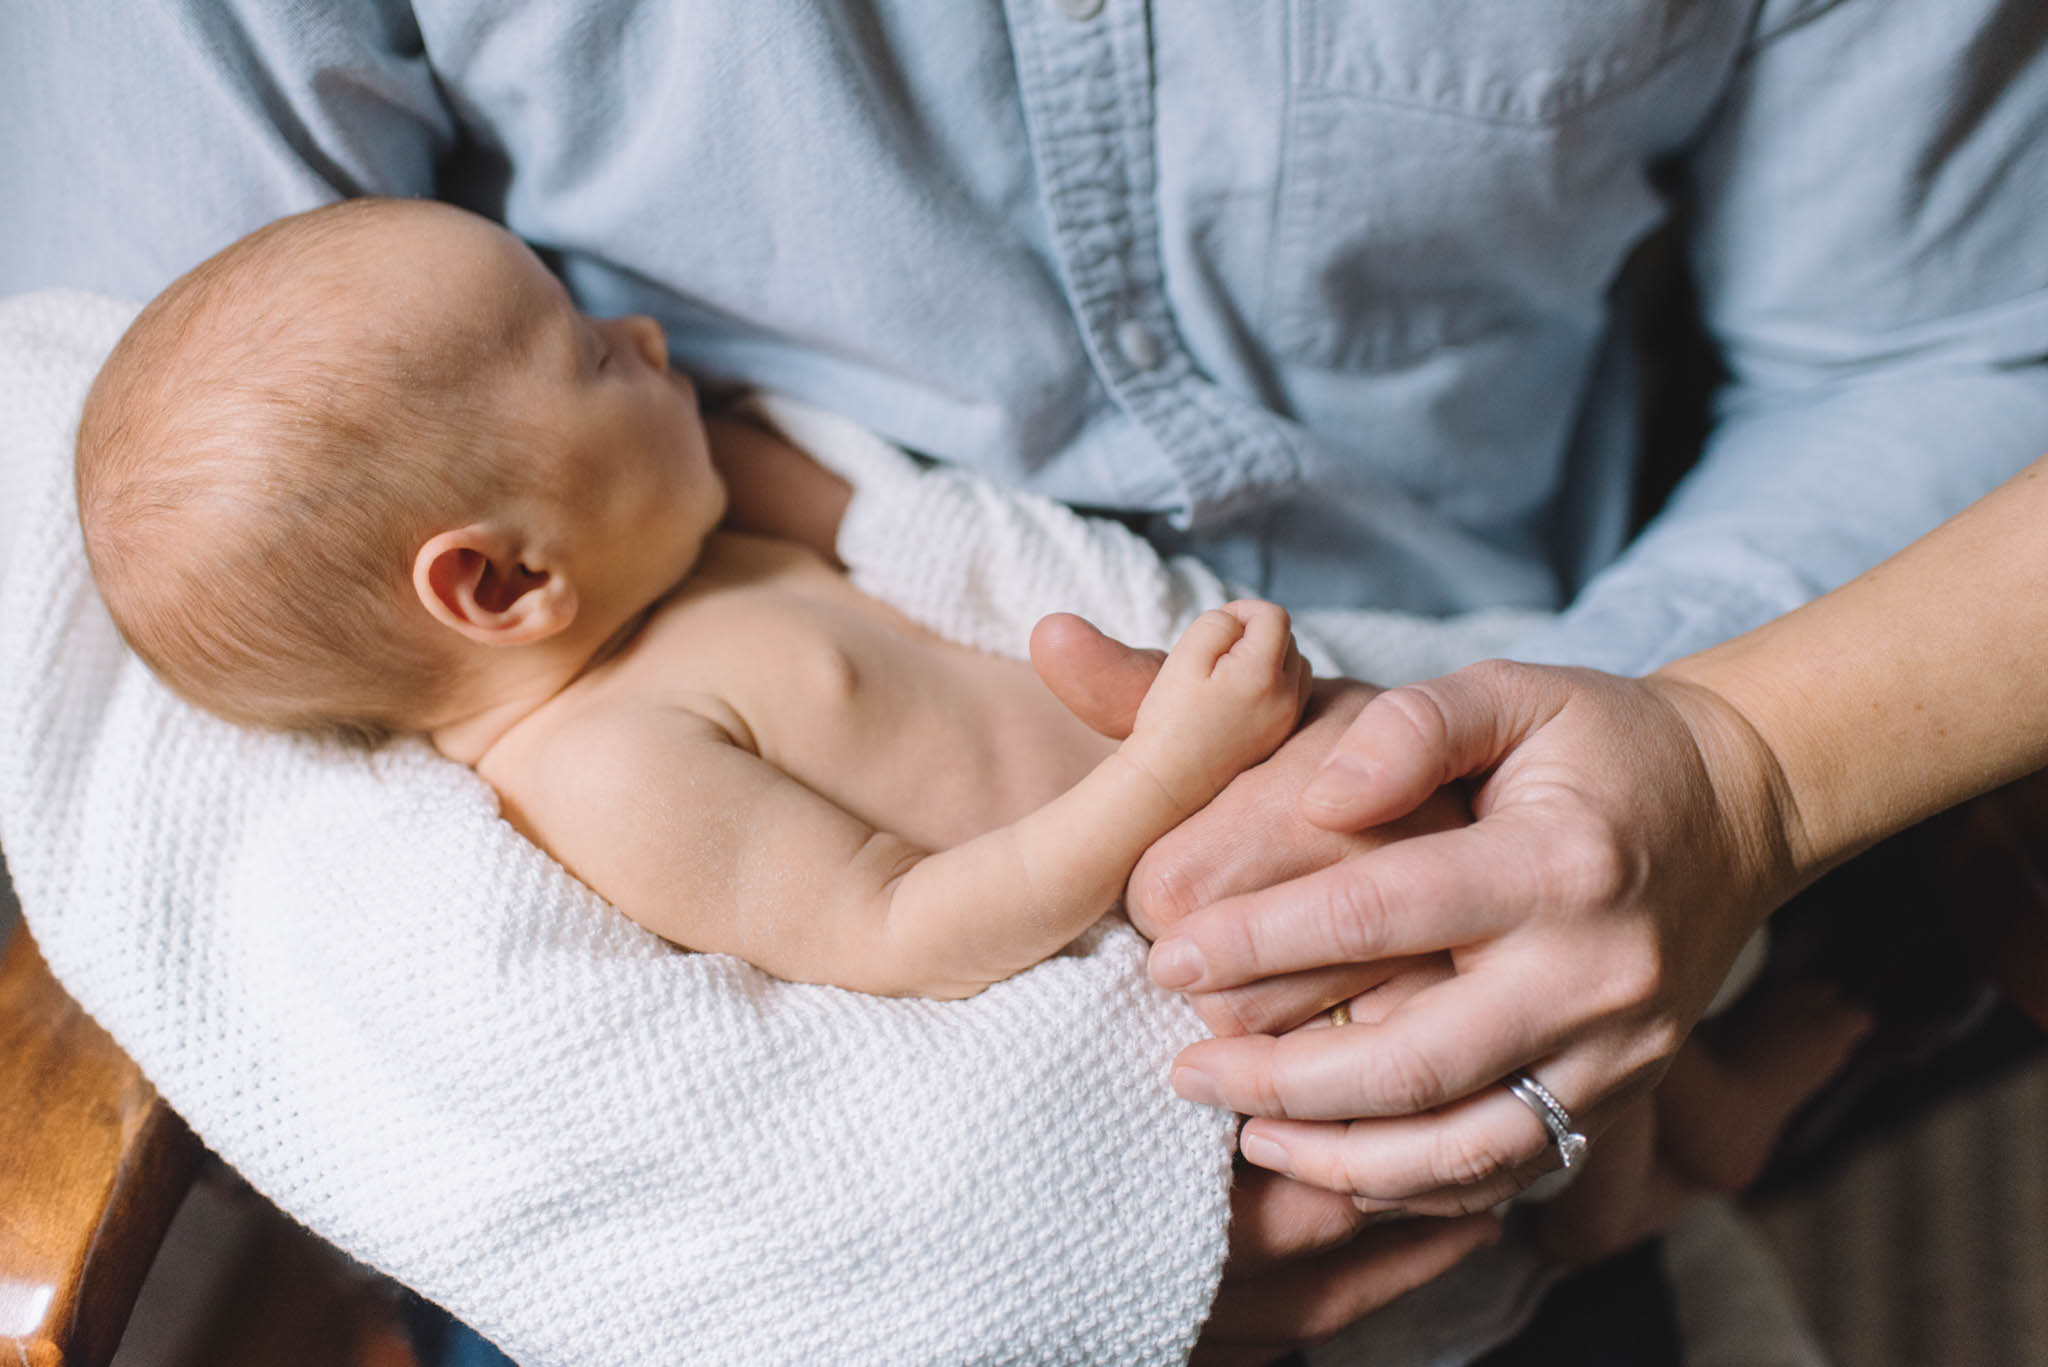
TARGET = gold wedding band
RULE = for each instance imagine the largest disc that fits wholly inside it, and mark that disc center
(1340, 1014)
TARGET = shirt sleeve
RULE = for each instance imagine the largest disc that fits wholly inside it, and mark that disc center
(1864, 225)
(140, 139)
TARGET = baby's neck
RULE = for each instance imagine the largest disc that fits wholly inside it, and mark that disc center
(508, 686)
(501, 695)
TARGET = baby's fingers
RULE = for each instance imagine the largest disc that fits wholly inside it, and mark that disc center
(1303, 676)
(1208, 639)
(1267, 642)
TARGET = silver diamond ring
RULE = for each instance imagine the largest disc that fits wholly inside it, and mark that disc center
(1571, 1145)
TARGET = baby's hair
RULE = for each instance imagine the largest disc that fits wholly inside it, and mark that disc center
(256, 467)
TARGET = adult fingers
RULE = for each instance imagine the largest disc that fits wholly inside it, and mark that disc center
(1275, 1219)
(1279, 1004)
(1251, 835)
(1282, 1286)
(1334, 1074)
(1410, 741)
(1449, 1041)
(1414, 896)
(1581, 1232)
(1467, 1157)
(1308, 1300)
(1236, 844)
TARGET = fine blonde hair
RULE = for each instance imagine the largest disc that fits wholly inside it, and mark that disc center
(257, 463)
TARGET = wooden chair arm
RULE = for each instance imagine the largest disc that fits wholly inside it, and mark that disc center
(92, 1166)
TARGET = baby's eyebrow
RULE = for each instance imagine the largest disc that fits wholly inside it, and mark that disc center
(519, 330)
(530, 321)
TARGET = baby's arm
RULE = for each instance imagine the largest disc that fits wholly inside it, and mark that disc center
(774, 488)
(708, 845)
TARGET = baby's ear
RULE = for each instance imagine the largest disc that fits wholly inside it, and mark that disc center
(474, 582)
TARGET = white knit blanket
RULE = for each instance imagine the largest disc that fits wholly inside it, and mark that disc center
(418, 1035)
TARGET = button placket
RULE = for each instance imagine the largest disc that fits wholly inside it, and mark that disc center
(1087, 92)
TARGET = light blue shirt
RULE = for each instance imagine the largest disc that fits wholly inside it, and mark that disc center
(1322, 289)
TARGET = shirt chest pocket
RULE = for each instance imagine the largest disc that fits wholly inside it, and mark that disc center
(1507, 61)
(1462, 173)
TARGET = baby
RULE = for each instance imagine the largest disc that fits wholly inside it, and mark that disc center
(369, 472)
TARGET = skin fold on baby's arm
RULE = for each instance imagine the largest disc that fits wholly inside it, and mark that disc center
(671, 815)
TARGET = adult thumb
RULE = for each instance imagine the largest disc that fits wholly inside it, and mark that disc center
(1100, 679)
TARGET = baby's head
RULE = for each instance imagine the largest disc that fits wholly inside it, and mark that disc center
(340, 473)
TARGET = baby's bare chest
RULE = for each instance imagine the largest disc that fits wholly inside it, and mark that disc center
(918, 736)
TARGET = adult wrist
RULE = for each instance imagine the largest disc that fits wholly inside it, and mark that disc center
(1764, 827)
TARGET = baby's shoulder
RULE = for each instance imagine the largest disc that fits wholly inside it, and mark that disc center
(706, 634)
(753, 649)
(622, 723)
(586, 760)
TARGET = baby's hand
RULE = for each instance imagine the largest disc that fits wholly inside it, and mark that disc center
(1228, 694)
(773, 488)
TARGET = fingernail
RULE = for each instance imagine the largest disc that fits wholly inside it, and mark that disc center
(1373, 1206)
(1338, 783)
(1175, 964)
(1267, 1153)
(1196, 1085)
(1378, 1216)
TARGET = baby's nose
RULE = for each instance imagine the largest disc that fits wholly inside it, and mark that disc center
(647, 336)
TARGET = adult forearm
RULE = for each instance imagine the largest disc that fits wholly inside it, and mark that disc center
(1910, 688)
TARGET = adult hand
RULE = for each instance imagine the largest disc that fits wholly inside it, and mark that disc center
(1251, 836)
(1254, 836)
(1302, 1263)
(1302, 1266)
(1630, 834)
(1712, 1124)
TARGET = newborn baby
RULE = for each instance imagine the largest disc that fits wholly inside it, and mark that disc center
(369, 472)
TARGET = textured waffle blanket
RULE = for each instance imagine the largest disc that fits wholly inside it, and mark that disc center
(419, 1036)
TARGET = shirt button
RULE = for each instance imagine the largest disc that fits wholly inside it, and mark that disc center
(1080, 9)
(1137, 344)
